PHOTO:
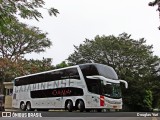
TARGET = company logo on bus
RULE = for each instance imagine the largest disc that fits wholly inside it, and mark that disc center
(63, 92)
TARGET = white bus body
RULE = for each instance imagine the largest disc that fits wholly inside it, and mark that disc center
(81, 87)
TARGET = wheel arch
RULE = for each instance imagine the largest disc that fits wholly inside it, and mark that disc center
(28, 102)
(22, 102)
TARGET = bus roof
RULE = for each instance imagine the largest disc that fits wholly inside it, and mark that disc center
(96, 64)
(46, 72)
(103, 70)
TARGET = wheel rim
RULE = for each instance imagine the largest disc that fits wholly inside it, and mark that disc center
(81, 106)
(69, 106)
(28, 106)
(22, 106)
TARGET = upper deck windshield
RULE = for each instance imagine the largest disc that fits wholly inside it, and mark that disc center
(97, 86)
(99, 69)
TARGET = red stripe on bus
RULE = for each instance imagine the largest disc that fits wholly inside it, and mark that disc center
(101, 100)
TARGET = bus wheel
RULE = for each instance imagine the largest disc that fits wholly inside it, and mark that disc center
(69, 106)
(28, 106)
(81, 106)
(22, 106)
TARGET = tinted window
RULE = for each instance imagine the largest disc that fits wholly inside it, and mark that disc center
(98, 69)
(89, 70)
(71, 73)
(106, 71)
(68, 91)
(94, 85)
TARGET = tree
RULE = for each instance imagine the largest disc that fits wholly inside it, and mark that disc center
(34, 66)
(11, 69)
(155, 86)
(21, 39)
(132, 60)
(17, 39)
(147, 101)
(23, 8)
(156, 2)
(61, 65)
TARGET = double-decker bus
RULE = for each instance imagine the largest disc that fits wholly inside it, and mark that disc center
(83, 87)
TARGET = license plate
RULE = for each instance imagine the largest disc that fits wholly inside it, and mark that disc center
(114, 107)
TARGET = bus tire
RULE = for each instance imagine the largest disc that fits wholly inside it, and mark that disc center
(22, 106)
(81, 105)
(28, 107)
(69, 106)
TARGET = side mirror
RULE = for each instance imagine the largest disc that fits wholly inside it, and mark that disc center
(106, 83)
(126, 84)
(91, 77)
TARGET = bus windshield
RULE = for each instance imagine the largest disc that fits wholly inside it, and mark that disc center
(112, 90)
(101, 87)
(96, 84)
(98, 69)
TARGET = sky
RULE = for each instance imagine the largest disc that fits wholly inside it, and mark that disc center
(80, 19)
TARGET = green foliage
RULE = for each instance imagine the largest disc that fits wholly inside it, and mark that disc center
(147, 101)
(132, 60)
(61, 65)
(18, 39)
(21, 39)
(9, 9)
(34, 66)
(25, 9)
(155, 90)
(11, 69)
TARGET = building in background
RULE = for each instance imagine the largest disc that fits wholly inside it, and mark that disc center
(8, 86)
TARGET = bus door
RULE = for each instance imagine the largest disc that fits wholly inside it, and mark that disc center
(93, 97)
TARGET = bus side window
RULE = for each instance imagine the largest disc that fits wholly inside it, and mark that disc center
(93, 85)
(71, 73)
